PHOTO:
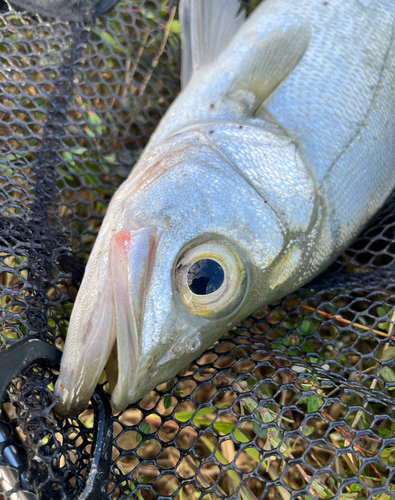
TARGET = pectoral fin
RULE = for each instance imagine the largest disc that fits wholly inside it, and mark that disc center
(268, 65)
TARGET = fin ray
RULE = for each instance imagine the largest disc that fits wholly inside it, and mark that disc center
(207, 26)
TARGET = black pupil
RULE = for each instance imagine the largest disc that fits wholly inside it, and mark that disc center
(205, 277)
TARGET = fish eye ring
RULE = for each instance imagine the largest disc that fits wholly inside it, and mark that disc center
(228, 278)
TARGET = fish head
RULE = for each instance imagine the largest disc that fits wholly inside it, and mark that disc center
(182, 257)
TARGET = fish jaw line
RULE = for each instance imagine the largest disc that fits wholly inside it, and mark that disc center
(155, 370)
(84, 359)
(132, 257)
(118, 314)
(181, 343)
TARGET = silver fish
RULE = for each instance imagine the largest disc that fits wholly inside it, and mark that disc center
(275, 155)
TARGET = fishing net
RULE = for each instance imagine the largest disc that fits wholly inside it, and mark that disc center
(296, 402)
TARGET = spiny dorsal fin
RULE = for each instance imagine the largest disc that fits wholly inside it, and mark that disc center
(269, 64)
(207, 26)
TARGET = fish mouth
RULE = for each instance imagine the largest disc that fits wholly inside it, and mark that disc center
(117, 314)
(131, 263)
(84, 357)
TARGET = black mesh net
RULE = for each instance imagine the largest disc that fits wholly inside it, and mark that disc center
(296, 402)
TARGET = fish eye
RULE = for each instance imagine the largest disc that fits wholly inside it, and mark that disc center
(211, 279)
(205, 276)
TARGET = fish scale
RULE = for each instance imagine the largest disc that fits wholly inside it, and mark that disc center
(278, 150)
(336, 104)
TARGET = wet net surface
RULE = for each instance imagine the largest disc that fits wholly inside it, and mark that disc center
(296, 402)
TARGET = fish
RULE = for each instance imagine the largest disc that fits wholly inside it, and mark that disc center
(276, 153)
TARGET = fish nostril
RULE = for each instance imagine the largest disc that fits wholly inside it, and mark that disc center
(177, 350)
(192, 345)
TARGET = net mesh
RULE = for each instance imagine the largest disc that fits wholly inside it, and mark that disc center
(296, 402)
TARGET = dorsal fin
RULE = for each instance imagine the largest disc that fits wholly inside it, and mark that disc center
(207, 26)
(268, 65)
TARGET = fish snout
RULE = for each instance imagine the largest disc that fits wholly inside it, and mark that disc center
(88, 344)
(117, 313)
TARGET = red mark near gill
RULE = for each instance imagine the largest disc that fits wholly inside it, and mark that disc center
(122, 240)
(151, 170)
(154, 167)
